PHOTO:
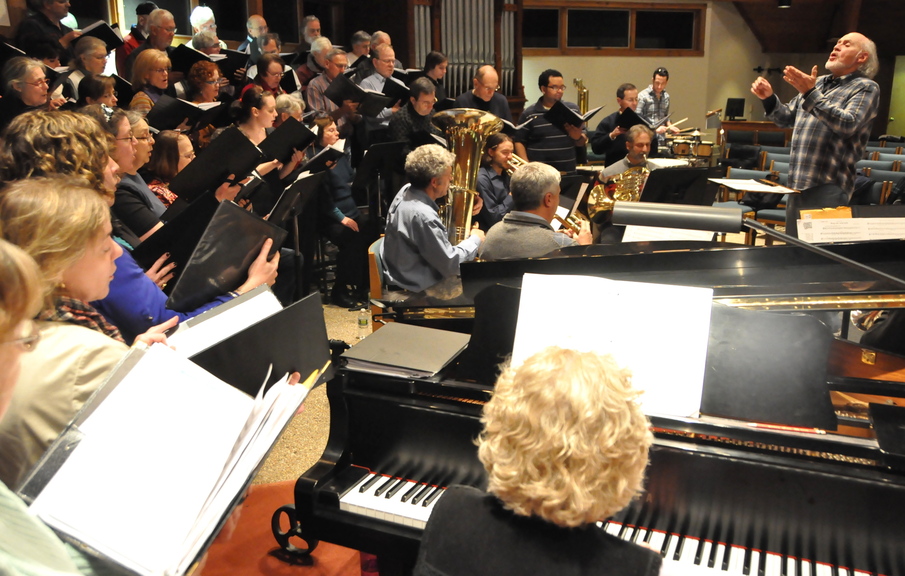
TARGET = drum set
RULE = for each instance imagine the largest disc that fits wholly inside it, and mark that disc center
(690, 147)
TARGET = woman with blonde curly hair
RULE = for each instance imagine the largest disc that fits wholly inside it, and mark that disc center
(565, 445)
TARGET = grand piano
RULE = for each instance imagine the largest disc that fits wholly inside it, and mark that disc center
(739, 490)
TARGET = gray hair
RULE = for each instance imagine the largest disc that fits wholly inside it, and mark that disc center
(636, 131)
(83, 46)
(266, 39)
(200, 15)
(872, 65)
(427, 162)
(334, 52)
(381, 49)
(321, 44)
(134, 117)
(16, 69)
(379, 37)
(204, 40)
(360, 37)
(530, 183)
(289, 103)
(157, 17)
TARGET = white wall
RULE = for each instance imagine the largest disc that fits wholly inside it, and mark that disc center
(696, 84)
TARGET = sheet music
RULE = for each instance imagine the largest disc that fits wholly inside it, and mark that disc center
(851, 229)
(658, 331)
(651, 233)
(752, 186)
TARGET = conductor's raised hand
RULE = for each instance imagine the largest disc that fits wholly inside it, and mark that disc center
(799, 80)
(761, 88)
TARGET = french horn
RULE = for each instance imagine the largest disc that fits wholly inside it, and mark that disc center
(466, 130)
(625, 187)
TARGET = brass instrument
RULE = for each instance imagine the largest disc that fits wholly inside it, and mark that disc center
(584, 95)
(573, 222)
(466, 130)
(515, 162)
(625, 187)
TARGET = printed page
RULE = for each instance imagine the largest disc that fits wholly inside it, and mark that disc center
(658, 331)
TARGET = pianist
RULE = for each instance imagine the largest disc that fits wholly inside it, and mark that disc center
(526, 231)
(416, 251)
(565, 445)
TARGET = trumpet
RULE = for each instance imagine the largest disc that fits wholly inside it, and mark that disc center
(572, 222)
(515, 162)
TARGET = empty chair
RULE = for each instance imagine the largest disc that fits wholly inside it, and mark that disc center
(776, 149)
(887, 165)
(887, 176)
(869, 150)
(770, 157)
(876, 194)
(739, 136)
(781, 167)
(771, 217)
(899, 158)
(771, 138)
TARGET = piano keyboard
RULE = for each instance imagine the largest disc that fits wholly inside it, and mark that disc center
(693, 555)
(392, 499)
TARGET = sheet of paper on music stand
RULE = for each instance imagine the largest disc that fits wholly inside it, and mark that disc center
(668, 162)
(851, 229)
(658, 331)
(563, 213)
(652, 233)
(744, 185)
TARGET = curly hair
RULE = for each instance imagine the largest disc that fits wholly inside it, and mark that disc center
(564, 438)
(427, 162)
(199, 73)
(20, 288)
(53, 220)
(42, 143)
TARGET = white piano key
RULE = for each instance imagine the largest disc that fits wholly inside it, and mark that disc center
(791, 567)
(656, 540)
(824, 569)
(689, 549)
(639, 535)
(613, 528)
(391, 509)
(705, 553)
(736, 561)
(755, 562)
(773, 566)
(805, 568)
(672, 546)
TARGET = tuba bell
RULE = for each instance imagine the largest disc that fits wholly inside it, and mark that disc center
(466, 130)
(625, 187)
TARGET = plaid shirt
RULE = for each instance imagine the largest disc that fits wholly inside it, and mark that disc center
(653, 109)
(831, 128)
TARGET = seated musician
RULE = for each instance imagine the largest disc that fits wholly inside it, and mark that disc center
(526, 231)
(416, 251)
(637, 143)
(412, 122)
(565, 445)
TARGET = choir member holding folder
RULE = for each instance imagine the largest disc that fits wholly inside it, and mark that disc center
(150, 79)
(135, 301)
(65, 227)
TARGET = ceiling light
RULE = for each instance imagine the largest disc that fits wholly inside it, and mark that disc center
(785, 3)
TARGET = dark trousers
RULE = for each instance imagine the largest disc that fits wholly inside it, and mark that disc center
(822, 196)
(352, 258)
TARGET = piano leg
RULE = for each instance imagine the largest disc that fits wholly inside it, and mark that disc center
(292, 553)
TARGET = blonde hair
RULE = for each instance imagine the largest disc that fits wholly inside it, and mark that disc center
(20, 288)
(564, 438)
(54, 220)
(147, 60)
(65, 143)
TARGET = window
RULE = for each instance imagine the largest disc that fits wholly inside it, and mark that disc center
(575, 28)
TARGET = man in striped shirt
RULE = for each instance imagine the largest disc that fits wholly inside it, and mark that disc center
(541, 141)
(831, 118)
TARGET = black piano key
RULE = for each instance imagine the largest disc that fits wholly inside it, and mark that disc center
(712, 559)
(813, 565)
(384, 486)
(762, 563)
(724, 561)
(699, 551)
(369, 483)
(798, 566)
(665, 547)
(679, 548)
(396, 487)
(421, 494)
(622, 530)
(432, 496)
(411, 492)
(746, 566)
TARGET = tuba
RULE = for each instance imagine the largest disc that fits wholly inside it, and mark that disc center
(625, 187)
(466, 130)
(584, 95)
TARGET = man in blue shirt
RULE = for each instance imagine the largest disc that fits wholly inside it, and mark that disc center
(416, 250)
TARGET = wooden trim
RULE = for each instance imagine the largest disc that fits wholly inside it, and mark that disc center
(610, 52)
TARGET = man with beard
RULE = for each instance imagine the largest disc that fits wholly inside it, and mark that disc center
(831, 119)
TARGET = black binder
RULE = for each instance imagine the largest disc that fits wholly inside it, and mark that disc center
(291, 134)
(229, 153)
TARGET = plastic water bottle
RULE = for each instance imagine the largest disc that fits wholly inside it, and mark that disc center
(364, 323)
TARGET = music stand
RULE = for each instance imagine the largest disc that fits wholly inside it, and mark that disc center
(376, 165)
(679, 186)
(288, 207)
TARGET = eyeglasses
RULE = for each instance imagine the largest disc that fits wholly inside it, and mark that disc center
(558, 88)
(30, 339)
(37, 83)
(211, 82)
(387, 60)
(130, 138)
(171, 30)
(161, 70)
(189, 156)
(144, 138)
(113, 94)
(340, 66)
(490, 88)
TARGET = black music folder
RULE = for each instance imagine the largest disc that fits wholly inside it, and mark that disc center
(511, 129)
(180, 234)
(330, 153)
(229, 153)
(396, 90)
(170, 112)
(628, 118)
(164, 431)
(105, 33)
(559, 114)
(291, 340)
(370, 103)
(405, 350)
(230, 62)
(296, 196)
(220, 260)
(291, 134)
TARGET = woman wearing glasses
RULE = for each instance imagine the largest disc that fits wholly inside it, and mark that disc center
(270, 73)
(150, 79)
(204, 83)
(24, 89)
(66, 228)
(90, 58)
